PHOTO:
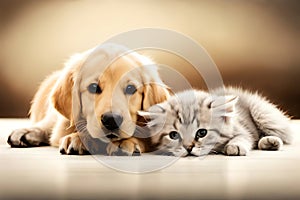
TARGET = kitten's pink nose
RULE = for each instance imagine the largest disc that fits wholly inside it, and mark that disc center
(189, 148)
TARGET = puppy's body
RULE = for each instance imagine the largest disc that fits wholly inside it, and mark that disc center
(70, 105)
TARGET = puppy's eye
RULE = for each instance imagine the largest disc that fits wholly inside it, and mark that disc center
(174, 135)
(200, 133)
(94, 88)
(130, 89)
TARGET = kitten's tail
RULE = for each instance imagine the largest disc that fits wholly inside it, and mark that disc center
(270, 120)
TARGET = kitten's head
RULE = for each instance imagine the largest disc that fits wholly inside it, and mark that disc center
(190, 123)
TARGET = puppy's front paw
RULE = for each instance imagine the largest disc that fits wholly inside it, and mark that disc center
(126, 147)
(28, 137)
(72, 145)
(272, 143)
(235, 150)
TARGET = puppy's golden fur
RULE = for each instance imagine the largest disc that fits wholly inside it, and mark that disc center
(64, 101)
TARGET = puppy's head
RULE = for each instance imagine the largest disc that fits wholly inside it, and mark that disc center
(102, 90)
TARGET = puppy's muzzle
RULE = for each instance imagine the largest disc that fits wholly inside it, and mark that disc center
(111, 121)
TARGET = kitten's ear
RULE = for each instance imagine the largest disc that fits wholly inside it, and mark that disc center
(224, 106)
(153, 115)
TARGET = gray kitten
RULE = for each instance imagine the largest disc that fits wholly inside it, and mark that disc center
(228, 120)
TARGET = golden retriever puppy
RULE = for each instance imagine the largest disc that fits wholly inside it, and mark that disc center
(93, 102)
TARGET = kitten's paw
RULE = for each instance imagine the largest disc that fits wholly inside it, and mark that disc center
(28, 137)
(72, 145)
(235, 150)
(270, 143)
(126, 147)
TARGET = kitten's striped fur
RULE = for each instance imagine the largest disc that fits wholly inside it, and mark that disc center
(236, 122)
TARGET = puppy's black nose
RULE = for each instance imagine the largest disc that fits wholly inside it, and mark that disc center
(111, 121)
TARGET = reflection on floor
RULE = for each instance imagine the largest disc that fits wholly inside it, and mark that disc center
(36, 173)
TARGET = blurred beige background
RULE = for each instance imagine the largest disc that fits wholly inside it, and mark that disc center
(255, 44)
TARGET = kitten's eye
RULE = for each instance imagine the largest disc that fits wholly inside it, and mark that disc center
(200, 133)
(94, 88)
(174, 135)
(130, 89)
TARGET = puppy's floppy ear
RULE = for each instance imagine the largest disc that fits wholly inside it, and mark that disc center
(62, 96)
(154, 93)
(154, 115)
(153, 111)
(62, 91)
